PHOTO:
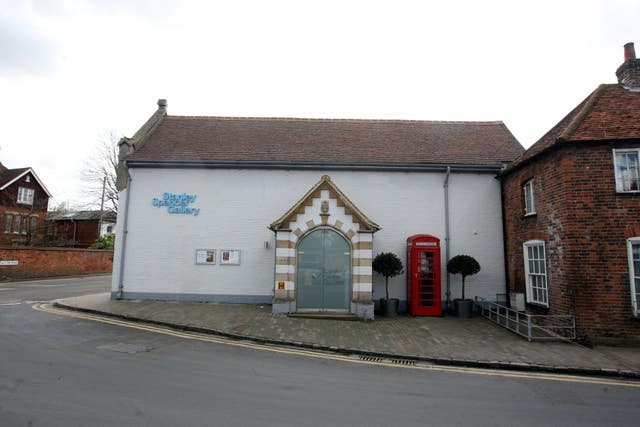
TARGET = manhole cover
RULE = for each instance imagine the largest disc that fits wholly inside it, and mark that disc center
(125, 348)
(240, 328)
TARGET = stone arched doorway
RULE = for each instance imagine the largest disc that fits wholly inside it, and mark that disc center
(324, 207)
(323, 273)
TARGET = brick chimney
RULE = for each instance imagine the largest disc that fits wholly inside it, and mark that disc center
(629, 72)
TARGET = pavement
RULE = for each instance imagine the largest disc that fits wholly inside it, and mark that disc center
(475, 342)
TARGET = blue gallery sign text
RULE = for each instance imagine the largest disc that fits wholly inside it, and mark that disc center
(177, 203)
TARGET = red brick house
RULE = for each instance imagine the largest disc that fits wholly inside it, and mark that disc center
(23, 204)
(78, 229)
(572, 213)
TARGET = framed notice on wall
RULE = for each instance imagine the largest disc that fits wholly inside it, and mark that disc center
(229, 257)
(206, 256)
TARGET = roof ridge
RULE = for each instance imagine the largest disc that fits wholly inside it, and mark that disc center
(350, 120)
(578, 124)
(19, 173)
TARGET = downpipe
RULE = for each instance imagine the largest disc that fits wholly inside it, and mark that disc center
(447, 237)
(125, 231)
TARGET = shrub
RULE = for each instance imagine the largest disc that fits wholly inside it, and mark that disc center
(389, 265)
(465, 265)
(105, 242)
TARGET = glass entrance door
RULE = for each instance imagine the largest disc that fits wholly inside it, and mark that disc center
(324, 264)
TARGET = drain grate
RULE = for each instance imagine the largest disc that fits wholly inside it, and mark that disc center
(403, 362)
(371, 359)
(382, 359)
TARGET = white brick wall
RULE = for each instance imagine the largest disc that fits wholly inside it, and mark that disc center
(236, 206)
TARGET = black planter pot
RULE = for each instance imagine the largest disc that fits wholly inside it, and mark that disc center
(464, 308)
(389, 307)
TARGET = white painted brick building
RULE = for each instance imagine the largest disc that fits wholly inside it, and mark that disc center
(305, 204)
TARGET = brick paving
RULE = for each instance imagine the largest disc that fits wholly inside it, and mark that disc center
(474, 342)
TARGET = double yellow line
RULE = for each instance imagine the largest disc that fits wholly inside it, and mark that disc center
(320, 355)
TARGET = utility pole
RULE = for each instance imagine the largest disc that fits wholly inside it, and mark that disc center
(104, 184)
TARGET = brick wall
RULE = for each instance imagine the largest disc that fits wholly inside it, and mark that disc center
(584, 224)
(48, 262)
(26, 234)
(9, 206)
(9, 196)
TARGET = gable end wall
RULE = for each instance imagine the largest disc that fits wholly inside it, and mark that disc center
(8, 205)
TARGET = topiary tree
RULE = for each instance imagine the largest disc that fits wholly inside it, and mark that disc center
(465, 265)
(389, 265)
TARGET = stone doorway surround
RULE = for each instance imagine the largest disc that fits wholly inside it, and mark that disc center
(324, 205)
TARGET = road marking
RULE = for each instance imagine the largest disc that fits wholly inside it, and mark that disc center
(11, 303)
(350, 359)
(44, 286)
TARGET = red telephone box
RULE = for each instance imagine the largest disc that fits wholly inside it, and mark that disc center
(423, 277)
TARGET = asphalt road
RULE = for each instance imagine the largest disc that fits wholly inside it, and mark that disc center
(60, 370)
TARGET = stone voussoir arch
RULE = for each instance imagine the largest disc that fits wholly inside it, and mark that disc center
(324, 205)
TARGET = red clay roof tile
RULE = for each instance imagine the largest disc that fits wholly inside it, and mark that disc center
(329, 141)
(609, 113)
(10, 174)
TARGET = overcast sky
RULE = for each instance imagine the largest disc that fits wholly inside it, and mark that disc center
(71, 70)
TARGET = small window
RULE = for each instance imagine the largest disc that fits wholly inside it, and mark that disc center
(16, 223)
(633, 246)
(25, 195)
(28, 178)
(627, 169)
(34, 225)
(25, 224)
(535, 270)
(8, 223)
(529, 198)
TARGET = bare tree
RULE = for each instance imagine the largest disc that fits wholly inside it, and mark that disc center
(99, 173)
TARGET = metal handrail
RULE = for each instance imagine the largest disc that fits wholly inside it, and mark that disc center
(530, 326)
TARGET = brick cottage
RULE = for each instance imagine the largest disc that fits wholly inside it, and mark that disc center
(23, 204)
(572, 213)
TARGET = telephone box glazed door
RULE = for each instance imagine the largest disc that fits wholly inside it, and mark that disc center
(424, 286)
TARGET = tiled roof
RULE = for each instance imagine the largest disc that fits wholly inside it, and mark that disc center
(9, 175)
(609, 113)
(107, 216)
(329, 141)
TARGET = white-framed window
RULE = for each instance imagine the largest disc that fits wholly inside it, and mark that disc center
(25, 195)
(9, 223)
(627, 168)
(633, 249)
(535, 271)
(529, 198)
(25, 224)
(16, 223)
